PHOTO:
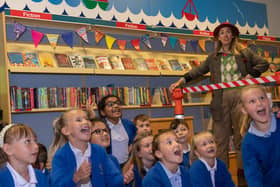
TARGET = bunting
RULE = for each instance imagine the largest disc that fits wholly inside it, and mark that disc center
(68, 38)
(82, 33)
(98, 35)
(37, 37)
(53, 38)
(135, 44)
(266, 54)
(201, 44)
(194, 44)
(183, 43)
(19, 30)
(121, 44)
(146, 41)
(109, 41)
(163, 37)
(173, 41)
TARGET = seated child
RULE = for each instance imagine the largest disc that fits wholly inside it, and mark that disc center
(142, 123)
(167, 171)
(181, 129)
(142, 157)
(260, 146)
(19, 144)
(42, 159)
(78, 162)
(207, 170)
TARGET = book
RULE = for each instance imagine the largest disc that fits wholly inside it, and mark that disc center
(128, 63)
(141, 64)
(116, 62)
(103, 62)
(194, 63)
(46, 59)
(175, 65)
(76, 61)
(163, 65)
(62, 60)
(31, 59)
(89, 62)
(151, 63)
(186, 66)
(15, 58)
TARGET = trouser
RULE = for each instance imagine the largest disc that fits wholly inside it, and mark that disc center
(228, 125)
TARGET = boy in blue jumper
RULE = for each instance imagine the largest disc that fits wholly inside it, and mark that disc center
(207, 170)
(167, 171)
(260, 146)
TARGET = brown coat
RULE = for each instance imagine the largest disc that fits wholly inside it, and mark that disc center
(248, 63)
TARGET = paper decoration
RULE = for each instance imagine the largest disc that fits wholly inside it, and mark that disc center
(245, 43)
(109, 41)
(37, 37)
(52, 39)
(173, 41)
(146, 41)
(98, 35)
(201, 44)
(260, 51)
(194, 44)
(266, 54)
(135, 44)
(121, 44)
(68, 38)
(82, 32)
(19, 30)
(163, 38)
(182, 43)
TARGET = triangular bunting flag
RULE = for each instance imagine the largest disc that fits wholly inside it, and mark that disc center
(109, 41)
(260, 51)
(194, 44)
(82, 32)
(135, 44)
(68, 38)
(266, 54)
(146, 41)
(202, 45)
(183, 43)
(37, 37)
(163, 38)
(98, 35)
(245, 43)
(121, 44)
(173, 41)
(52, 39)
(273, 55)
(19, 30)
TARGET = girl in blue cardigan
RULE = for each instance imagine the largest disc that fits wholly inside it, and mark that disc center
(78, 162)
(207, 170)
(19, 144)
(260, 146)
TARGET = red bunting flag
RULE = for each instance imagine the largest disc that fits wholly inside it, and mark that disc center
(135, 44)
(37, 37)
(98, 35)
(121, 44)
(183, 43)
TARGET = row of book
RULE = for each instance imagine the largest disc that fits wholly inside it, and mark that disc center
(45, 59)
(274, 90)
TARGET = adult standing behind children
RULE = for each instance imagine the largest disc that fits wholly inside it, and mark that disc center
(231, 61)
(122, 131)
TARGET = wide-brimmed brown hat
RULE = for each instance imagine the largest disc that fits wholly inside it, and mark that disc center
(234, 29)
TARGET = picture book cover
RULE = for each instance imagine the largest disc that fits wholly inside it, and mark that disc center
(151, 63)
(175, 65)
(89, 62)
(163, 64)
(194, 63)
(62, 60)
(46, 59)
(185, 65)
(31, 59)
(116, 62)
(76, 61)
(141, 64)
(15, 58)
(128, 63)
(103, 62)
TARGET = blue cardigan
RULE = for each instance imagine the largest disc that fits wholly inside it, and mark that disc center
(200, 176)
(156, 177)
(6, 178)
(261, 159)
(104, 172)
(186, 160)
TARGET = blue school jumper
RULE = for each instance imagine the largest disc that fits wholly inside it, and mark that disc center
(156, 177)
(115, 161)
(261, 158)
(200, 176)
(6, 178)
(186, 160)
(104, 172)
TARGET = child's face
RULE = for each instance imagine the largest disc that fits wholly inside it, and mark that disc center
(100, 134)
(182, 133)
(257, 105)
(112, 108)
(77, 127)
(146, 151)
(169, 151)
(206, 147)
(143, 126)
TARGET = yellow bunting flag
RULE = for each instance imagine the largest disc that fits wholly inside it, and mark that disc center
(201, 44)
(109, 41)
(53, 39)
(98, 35)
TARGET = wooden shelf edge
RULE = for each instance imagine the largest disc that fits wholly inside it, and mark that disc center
(54, 70)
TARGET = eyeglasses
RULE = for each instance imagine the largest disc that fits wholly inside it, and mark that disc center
(100, 131)
(111, 103)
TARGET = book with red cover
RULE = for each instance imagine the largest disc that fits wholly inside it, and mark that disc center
(103, 62)
(151, 63)
(62, 60)
(163, 65)
(128, 63)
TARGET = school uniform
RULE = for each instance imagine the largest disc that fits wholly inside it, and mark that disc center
(115, 161)
(261, 155)
(204, 176)
(186, 158)
(158, 176)
(104, 172)
(37, 178)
